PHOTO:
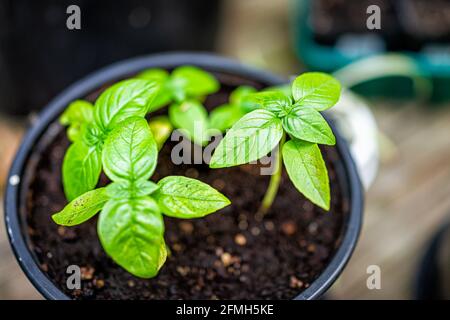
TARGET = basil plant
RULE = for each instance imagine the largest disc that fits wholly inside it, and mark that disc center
(113, 135)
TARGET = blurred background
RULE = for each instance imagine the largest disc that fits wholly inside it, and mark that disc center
(393, 55)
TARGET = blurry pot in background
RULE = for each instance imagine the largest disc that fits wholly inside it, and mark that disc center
(433, 277)
(39, 55)
(331, 34)
(321, 243)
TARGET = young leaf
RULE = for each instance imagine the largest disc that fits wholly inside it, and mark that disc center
(130, 152)
(78, 114)
(161, 77)
(224, 117)
(131, 232)
(307, 171)
(79, 111)
(193, 82)
(187, 198)
(125, 189)
(273, 101)
(251, 138)
(238, 94)
(123, 100)
(308, 124)
(316, 90)
(161, 129)
(192, 118)
(81, 169)
(82, 208)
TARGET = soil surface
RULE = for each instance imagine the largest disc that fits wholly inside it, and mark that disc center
(232, 254)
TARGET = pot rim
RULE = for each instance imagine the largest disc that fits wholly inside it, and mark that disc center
(117, 71)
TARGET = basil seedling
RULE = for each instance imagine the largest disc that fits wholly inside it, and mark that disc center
(257, 133)
(183, 90)
(90, 125)
(130, 225)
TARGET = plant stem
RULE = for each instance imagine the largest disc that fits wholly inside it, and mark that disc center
(274, 183)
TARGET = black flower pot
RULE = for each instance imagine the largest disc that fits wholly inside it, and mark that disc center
(19, 220)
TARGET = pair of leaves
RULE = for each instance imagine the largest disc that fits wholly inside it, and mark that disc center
(183, 90)
(89, 126)
(260, 131)
(185, 83)
(130, 224)
(299, 112)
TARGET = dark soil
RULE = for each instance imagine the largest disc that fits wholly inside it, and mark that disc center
(228, 255)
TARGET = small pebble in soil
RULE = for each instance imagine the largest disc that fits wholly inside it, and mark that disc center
(44, 267)
(269, 225)
(131, 283)
(192, 173)
(87, 273)
(311, 248)
(312, 228)
(240, 239)
(183, 271)
(295, 283)
(289, 228)
(99, 283)
(226, 259)
(186, 227)
(243, 225)
(177, 247)
(49, 255)
(219, 251)
(255, 231)
(218, 184)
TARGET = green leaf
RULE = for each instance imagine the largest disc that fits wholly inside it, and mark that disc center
(224, 117)
(307, 171)
(193, 81)
(82, 208)
(131, 232)
(81, 169)
(76, 116)
(238, 94)
(251, 138)
(187, 198)
(161, 129)
(125, 189)
(308, 124)
(130, 152)
(78, 112)
(123, 100)
(164, 95)
(316, 90)
(273, 101)
(192, 118)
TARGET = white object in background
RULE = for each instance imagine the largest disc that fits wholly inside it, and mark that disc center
(357, 124)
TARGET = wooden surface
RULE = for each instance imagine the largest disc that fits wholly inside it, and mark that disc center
(409, 200)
